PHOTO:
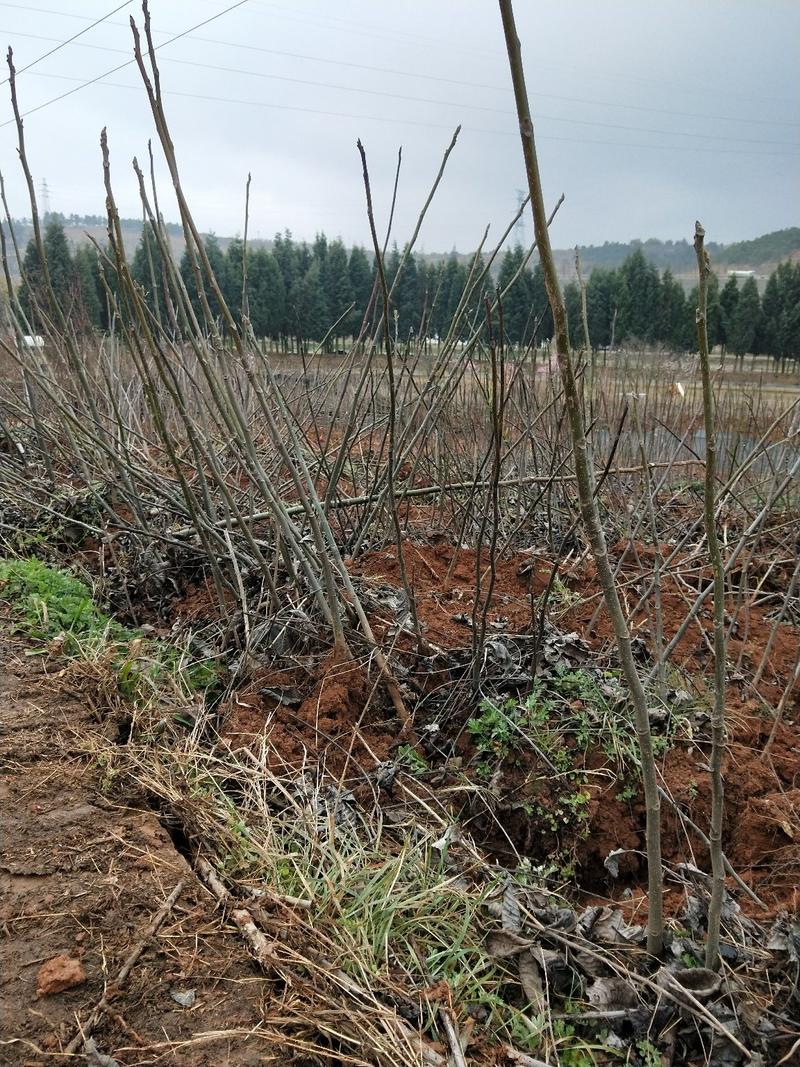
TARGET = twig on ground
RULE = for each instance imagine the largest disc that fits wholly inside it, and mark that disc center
(86, 1029)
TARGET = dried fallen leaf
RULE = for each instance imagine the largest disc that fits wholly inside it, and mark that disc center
(502, 944)
(608, 925)
(611, 994)
(95, 1058)
(511, 914)
(611, 862)
(531, 979)
(700, 981)
(185, 999)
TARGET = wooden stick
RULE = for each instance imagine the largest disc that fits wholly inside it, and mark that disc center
(434, 490)
(88, 1028)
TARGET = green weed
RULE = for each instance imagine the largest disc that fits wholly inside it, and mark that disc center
(53, 606)
(494, 729)
(409, 758)
(51, 602)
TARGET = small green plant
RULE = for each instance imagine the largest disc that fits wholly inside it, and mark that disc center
(628, 793)
(577, 807)
(649, 1056)
(494, 729)
(546, 735)
(573, 1051)
(562, 595)
(409, 758)
(108, 772)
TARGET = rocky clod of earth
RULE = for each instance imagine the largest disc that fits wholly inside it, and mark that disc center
(60, 973)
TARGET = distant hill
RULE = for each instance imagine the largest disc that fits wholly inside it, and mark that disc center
(771, 248)
(679, 255)
(762, 254)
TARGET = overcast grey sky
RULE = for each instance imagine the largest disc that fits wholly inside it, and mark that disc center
(648, 115)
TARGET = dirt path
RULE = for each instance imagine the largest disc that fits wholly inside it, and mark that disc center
(82, 878)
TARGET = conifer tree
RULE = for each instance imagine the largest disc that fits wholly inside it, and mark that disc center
(788, 327)
(543, 316)
(767, 339)
(671, 311)
(307, 305)
(33, 297)
(406, 299)
(601, 303)
(745, 324)
(638, 298)
(338, 288)
(89, 293)
(572, 302)
(266, 295)
(361, 277)
(232, 280)
(728, 299)
(518, 315)
(147, 270)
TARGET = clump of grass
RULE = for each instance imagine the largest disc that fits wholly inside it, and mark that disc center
(51, 602)
(385, 910)
(53, 606)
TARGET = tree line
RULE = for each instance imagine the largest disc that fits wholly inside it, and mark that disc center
(303, 293)
(636, 304)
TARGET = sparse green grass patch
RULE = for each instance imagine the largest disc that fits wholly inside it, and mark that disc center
(53, 606)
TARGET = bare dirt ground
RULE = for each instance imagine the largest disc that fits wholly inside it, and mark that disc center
(82, 878)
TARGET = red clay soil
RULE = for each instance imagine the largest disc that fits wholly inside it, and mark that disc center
(342, 723)
(81, 877)
(345, 720)
(200, 602)
(441, 593)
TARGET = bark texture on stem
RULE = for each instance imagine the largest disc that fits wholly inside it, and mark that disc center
(585, 480)
(715, 556)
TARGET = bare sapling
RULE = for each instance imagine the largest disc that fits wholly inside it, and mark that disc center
(389, 347)
(715, 556)
(588, 353)
(584, 473)
(650, 497)
(497, 399)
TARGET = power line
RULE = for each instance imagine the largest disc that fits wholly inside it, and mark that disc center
(441, 103)
(492, 88)
(470, 107)
(429, 42)
(121, 66)
(64, 44)
(429, 125)
(450, 81)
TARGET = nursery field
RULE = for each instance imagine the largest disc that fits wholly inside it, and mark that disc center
(343, 666)
(417, 705)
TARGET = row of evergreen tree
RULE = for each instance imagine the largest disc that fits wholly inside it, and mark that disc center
(307, 292)
(636, 303)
